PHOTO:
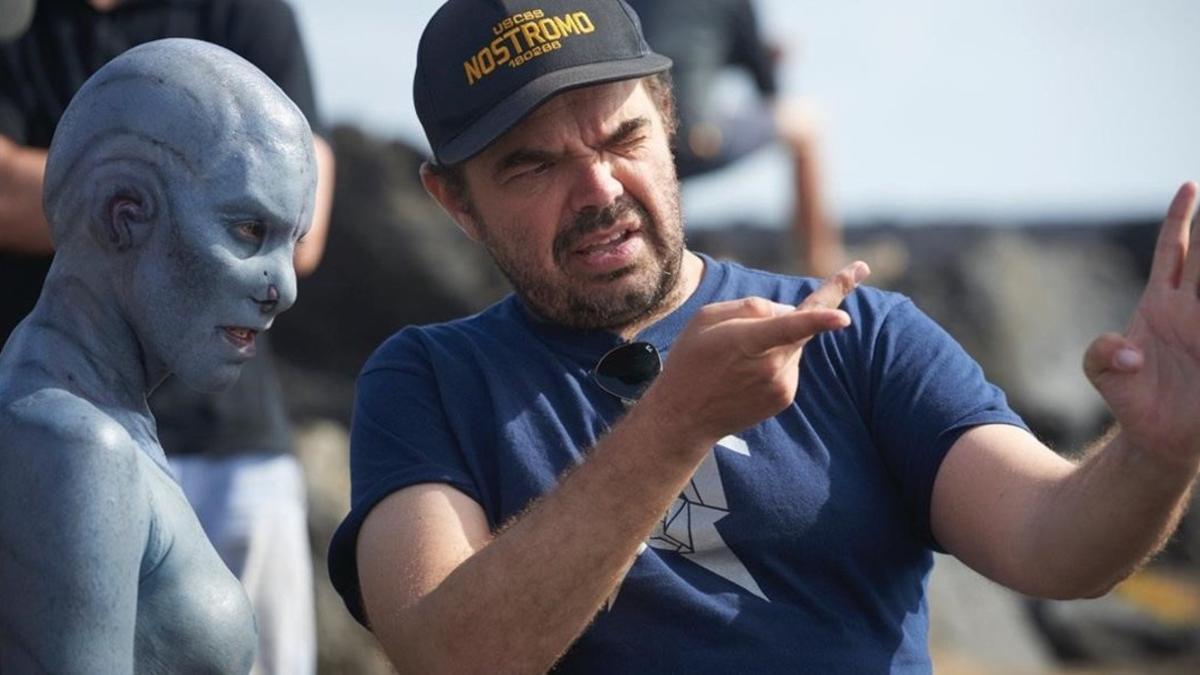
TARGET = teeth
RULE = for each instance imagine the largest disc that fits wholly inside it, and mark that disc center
(617, 236)
(241, 333)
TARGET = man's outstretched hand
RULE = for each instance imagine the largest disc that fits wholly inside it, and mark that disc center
(1150, 376)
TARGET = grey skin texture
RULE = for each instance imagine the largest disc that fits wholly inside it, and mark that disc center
(177, 185)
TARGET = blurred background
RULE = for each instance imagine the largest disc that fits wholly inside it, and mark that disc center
(1006, 163)
(996, 109)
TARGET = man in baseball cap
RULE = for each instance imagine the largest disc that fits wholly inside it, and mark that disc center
(482, 66)
(534, 487)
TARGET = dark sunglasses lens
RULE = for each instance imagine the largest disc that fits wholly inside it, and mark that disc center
(627, 371)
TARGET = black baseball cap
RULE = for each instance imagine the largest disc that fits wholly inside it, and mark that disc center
(483, 65)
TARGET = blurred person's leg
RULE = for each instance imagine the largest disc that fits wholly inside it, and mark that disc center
(253, 509)
(708, 143)
(817, 234)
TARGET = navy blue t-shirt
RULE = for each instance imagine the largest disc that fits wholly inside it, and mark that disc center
(802, 543)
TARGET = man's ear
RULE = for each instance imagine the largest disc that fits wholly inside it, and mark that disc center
(125, 206)
(452, 199)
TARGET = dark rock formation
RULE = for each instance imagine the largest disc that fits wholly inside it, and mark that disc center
(392, 258)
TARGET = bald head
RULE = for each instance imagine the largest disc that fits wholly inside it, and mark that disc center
(167, 114)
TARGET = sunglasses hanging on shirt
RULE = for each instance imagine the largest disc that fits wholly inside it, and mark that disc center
(628, 370)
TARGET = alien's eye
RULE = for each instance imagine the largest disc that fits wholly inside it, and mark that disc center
(250, 230)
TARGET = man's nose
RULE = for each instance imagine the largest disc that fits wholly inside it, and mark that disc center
(595, 185)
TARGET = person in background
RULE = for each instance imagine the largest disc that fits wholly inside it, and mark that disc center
(532, 487)
(705, 39)
(231, 451)
(104, 567)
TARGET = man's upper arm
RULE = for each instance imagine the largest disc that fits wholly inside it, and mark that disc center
(922, 393)
(987, 491)
(403, 446)
(410, 542)
(23, 227)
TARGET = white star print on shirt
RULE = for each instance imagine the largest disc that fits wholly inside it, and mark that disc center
(689, 526)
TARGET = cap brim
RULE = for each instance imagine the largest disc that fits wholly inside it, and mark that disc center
(523, 101)
(15, 16)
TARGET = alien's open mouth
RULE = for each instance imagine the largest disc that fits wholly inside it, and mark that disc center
(240, 336)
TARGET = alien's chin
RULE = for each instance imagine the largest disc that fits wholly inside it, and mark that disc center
(211, 380)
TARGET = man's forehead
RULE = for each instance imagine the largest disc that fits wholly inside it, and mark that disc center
(589, 110)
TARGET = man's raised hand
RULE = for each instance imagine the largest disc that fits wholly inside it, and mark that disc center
(1150, 376)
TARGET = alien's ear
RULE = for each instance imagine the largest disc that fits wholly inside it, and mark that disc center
(451, 194)
(127, 201)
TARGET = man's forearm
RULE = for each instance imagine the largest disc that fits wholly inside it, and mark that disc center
(518, 599)
(525, 597)
(23, 226)
(310, 250)
(1109, 516)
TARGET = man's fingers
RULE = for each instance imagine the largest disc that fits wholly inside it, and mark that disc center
(1173, 239)
(829, 295)
(742, 308)
(792, 328)
(1191, 265)
(1111, 353)
(834, 290)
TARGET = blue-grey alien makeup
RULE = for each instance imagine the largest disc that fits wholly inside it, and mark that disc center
(176, 187)
(211, 199)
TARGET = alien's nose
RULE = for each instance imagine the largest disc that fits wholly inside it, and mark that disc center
(272, 301)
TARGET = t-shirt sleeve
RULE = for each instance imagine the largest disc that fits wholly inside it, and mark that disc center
(400, 436)
(266, 33)
(926, 391)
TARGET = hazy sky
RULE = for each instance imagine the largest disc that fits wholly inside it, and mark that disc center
(989, 109)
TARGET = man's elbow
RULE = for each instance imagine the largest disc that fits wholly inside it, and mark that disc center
(1079, 588)
(414, 642)
(425, 655)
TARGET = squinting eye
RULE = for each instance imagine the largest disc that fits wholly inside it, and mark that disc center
(631, 143)
(250, 230)
(534, 170)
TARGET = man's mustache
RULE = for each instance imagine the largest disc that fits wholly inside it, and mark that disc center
(594, 219)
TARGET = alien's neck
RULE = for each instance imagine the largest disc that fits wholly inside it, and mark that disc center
(86, 342)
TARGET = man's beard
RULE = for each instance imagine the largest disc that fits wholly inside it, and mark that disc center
(565, 302)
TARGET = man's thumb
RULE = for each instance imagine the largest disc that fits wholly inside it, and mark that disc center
(1111, 354)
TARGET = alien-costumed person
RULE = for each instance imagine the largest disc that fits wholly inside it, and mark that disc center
(177, 185)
